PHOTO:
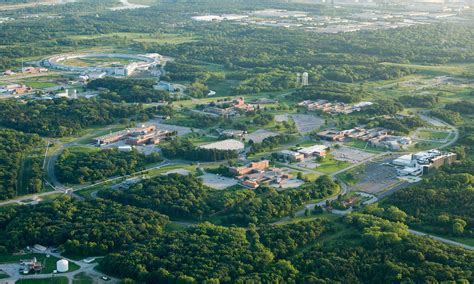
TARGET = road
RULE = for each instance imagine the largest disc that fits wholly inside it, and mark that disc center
(87, 268)
(446, 241)
(439, 123)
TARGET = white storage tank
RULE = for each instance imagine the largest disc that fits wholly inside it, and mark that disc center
(62, 265)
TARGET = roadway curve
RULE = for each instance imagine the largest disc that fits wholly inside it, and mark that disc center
(443, 240)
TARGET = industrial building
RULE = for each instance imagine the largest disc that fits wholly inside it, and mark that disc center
(257, 173)
(229, 144)
(314, 151)
(291, 156)
(252, 167)
(134, 136)
(423, 162)
(142, 62)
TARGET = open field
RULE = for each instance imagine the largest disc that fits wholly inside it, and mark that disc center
(97, 61)
(139, 37)
(330, 165)
(439, 135)
(363, 146)
(49, 280)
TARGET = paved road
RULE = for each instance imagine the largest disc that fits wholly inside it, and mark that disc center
(87, 268)
(446, 241)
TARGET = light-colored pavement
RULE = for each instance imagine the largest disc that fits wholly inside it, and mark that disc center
(87, 268)
(446, 241)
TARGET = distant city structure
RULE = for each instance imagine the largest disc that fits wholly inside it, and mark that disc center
(302, 79)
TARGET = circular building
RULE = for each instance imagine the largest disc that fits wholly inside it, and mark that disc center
(62, 265)
(124, 65)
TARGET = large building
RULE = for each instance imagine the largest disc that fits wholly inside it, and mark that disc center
(134, 136)
(141, 62)
(291, 156)
(252, 167)
(423, 162)
(229, 144)
(315, 150)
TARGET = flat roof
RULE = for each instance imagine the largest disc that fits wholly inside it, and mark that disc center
(229, 144)
(312, 149)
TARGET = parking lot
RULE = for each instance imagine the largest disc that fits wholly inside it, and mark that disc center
(377, 177)
(259, 135)
(217, 182)
(350, 155)
(306, 123)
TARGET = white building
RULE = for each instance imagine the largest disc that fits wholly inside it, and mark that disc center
(315, 150)
(305, 79)
(62, 265)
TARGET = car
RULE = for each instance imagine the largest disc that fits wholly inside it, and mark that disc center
(105, 278)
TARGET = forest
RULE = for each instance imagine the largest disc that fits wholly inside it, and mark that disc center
(329, 91)
(128, 90)
(369, 250)
(175, 195)
(268, 203)
(79, 167)
(79, 227)
(182, 148)
(442, 203)
(62, 117)
(14, 149)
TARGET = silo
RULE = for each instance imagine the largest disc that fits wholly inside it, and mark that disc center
(62, 265)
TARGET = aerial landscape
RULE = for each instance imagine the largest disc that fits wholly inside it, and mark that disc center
(225, 141)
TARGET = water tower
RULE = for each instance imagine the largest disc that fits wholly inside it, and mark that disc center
(62, 265)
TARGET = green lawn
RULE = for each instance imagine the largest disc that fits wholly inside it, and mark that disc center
(48, 262)
(432, 134)
(140, 37)
(359, 144)
(3, 275)
(39, 85)
(82, 278)
(49, 280)
(329, 165)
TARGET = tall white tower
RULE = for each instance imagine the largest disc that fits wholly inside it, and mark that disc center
(304, 79)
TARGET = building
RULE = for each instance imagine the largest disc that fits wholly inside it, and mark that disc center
(331, 135)
(230, 133)
(315, 150)
(291, 156)
(30, 265)
(304, 79)
(423, 162)
(229, 144)
(405, 161)
(252, 167)
(135, 136)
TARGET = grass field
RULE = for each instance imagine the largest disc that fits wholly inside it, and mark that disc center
(82, 278)
(49, 280)
(97, 61)
(432, 134)
(329, 165)
(139, 37)
(39, 85)
(3, 275)
(359, 144)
